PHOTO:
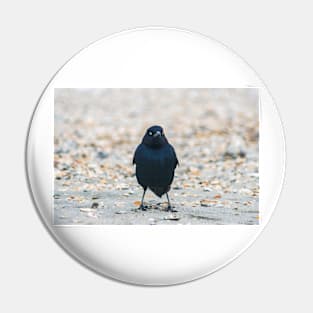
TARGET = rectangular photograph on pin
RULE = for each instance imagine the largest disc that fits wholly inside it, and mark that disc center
(156, 156)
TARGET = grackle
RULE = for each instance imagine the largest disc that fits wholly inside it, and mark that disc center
(155, 161)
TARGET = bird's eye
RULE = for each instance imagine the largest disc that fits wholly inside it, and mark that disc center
(150, 134)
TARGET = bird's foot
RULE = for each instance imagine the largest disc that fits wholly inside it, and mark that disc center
(171, 209)
(142, 208)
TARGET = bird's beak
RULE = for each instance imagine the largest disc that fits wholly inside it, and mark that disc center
(157, 134)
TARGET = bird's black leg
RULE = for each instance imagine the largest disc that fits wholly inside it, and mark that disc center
(143, 196)
(169, 207)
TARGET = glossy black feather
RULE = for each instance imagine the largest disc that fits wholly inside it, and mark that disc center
(155, 161)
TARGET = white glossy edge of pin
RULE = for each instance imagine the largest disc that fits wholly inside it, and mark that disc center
(155, 57)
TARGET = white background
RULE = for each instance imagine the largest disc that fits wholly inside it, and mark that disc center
(274, 274)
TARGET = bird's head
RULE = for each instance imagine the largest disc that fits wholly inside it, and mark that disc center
(154, 137)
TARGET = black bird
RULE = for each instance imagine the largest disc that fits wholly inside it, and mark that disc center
(155, 161)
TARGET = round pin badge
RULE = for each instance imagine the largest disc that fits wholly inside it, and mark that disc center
(155, 156)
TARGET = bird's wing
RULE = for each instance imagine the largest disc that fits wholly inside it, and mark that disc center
(176, 160)
(136, 154)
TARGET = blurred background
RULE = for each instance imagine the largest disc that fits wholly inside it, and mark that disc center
(215, 134)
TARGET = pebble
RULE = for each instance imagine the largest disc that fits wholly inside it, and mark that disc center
(207, 202)
(95, 205)
(171, 218)
(102, 155)
(122, 186)
(207, 189)
(246, 191)
(236, 148)
(87, 210)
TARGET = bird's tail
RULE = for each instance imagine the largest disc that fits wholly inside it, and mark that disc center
(160, 191)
